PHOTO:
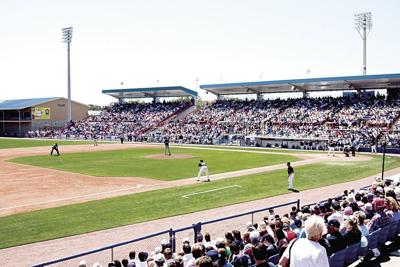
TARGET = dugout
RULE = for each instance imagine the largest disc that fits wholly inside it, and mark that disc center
(19, 116)
(292, 142)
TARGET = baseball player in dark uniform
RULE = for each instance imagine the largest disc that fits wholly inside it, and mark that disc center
(331, 147)
(54, 148)
(167, 150)
(94, 139)
(290, 172)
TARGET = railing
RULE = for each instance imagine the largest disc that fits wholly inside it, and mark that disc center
(170, 234)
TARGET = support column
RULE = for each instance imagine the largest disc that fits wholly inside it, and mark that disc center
(259, 97)
(306, 94)
(4, 126)
(19, 122)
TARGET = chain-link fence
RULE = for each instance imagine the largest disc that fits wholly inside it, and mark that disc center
(173, 236)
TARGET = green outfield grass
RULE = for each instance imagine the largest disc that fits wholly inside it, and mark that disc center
(26, 142)
(118, 211)
(132, 162)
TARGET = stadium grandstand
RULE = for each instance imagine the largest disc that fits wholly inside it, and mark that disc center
(361, 115)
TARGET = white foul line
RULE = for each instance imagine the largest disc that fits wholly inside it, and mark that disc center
(212, 190)
(72, 198)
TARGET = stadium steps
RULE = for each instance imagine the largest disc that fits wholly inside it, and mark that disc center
(177, 115)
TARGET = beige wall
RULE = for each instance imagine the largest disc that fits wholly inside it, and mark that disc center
(58, 110)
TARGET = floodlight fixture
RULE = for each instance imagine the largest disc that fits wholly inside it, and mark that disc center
(363, 25)
(67, 38)
(67, 34)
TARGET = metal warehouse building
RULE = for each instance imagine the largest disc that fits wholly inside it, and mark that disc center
(19, 116)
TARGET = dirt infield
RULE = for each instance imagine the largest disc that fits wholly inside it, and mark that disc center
(27, 188)
(173, 156)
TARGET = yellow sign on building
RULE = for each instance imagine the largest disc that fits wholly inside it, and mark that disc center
(41, 113)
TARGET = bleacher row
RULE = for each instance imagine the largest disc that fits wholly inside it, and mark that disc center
(383, 238)
(361, 119)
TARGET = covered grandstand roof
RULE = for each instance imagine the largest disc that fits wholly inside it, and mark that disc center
(24, 103)
(170, 91)
(365, 82)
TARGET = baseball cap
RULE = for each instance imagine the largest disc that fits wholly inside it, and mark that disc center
(368, 206)
(254, 235)
(336, 206)
(348, 211)
(212, 254)
(241, 261)
(379, 203)
(159, 257)
(334, 223)
(248, 225)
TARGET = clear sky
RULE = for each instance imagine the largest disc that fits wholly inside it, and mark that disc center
(177, 41)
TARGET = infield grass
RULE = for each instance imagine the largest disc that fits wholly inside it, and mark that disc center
(133, 162)
(26, 142)
(118, 211)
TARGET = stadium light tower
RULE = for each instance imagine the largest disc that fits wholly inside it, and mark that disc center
(363, 24)
(67, 38)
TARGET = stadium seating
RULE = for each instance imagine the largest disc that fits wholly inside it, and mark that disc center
(274, 259)
(338, 259)
(361, 120)
(352, 253)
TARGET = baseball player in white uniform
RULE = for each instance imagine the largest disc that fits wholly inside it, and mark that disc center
(290, 176)
(202, 170)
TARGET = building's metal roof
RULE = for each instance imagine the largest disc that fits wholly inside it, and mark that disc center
(170, 91)
(365, 82)
(24, 103)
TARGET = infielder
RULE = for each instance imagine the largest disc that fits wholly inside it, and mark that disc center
(373, 146)
(203, 170)
(290, 172)
(167, 151)
(331, 148)
(54, 148)
(94, 139)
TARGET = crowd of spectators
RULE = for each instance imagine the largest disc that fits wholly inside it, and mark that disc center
(224, 117)
(119, 119)
(360, 119)
(311, 233)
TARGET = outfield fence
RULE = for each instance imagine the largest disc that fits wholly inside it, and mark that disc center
(104, 255)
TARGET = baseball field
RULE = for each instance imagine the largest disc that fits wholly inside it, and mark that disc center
(91, 188)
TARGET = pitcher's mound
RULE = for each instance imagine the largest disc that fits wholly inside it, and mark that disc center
(173, 156)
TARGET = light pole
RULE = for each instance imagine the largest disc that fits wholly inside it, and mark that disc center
(67, 38)
(363, 24)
